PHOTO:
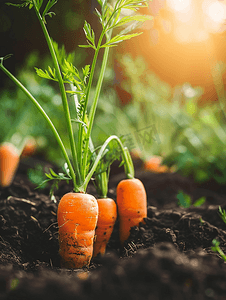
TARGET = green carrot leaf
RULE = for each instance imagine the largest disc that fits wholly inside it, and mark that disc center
(52, 172)
(119, 38)
(38, 3)
(216, 248)
(184, 199)
(222, 214)
(86, 72)
(134, 5)
(199, 202)
(66, 169)
(49, 176)
(25, 4)
(62, 55)
(46, 11)
(102, 2)
(99, 15)
(47, 74)
(90, 35)
(128, 19)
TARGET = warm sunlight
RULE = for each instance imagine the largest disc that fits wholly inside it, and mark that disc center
(215, 10)
(194, 20)
(179, 5)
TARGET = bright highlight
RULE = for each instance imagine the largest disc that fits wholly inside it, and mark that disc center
(216, 11)
(179, 5)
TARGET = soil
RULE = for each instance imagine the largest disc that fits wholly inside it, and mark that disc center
(168, 257)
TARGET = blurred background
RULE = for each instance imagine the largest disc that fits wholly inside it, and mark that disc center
(164, 88)
(21, 33)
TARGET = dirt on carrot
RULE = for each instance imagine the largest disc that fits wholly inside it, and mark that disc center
(77, 218)
(132, 206)
(106, 219)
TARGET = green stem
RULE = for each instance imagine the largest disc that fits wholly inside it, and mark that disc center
(96, 97)
(81, 127)
(43, 113)
(102, 184)
(63, 95)
(128, 165)
(86, 104)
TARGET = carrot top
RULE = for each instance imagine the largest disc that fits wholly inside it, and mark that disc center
(83, 158)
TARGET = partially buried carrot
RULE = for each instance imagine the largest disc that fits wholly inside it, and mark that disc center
(29, 148)
(153, 164)
(77, 218)
(105, 225)
(9, 161)
(132, 206)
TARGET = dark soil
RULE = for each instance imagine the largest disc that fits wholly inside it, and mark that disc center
(168, 257)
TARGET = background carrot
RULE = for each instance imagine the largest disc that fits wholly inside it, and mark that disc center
(106, 219)
(77, 218)
(132, 206)
(153, 164)
(9, 161)
(30, 147)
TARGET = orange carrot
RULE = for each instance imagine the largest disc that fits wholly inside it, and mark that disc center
(9, 161)
(154, 164)
(29, 148)
(77, 218)
(132, 206)
(106, 219)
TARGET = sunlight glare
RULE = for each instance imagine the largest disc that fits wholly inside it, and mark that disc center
(216, 11)
(179, 5)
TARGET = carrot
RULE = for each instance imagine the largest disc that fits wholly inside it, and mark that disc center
(106, 219)
(132, 206)
(77, 218)
(29, 148)
(9, 161)
(154, 164)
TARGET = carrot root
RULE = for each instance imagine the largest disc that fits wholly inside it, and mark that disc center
(132, 206)
(106, 219)
(9, 161)
(77, 218)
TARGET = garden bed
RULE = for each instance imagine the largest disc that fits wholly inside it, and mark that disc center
(169, 257)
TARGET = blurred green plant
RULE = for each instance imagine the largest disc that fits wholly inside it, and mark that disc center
(185, 200)
(222, 214)
(26, 121)
(216, 248)
(189, 136)
(36, 175)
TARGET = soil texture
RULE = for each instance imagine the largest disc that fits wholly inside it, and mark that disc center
(168, 257)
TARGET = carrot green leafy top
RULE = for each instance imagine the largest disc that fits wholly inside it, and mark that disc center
(83, 159)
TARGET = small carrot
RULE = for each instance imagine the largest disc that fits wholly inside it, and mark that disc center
(107, 207)
(9, 161)
(153, 164)
(106, 219)
(29, 148)
(132, 206)
(77, 218)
